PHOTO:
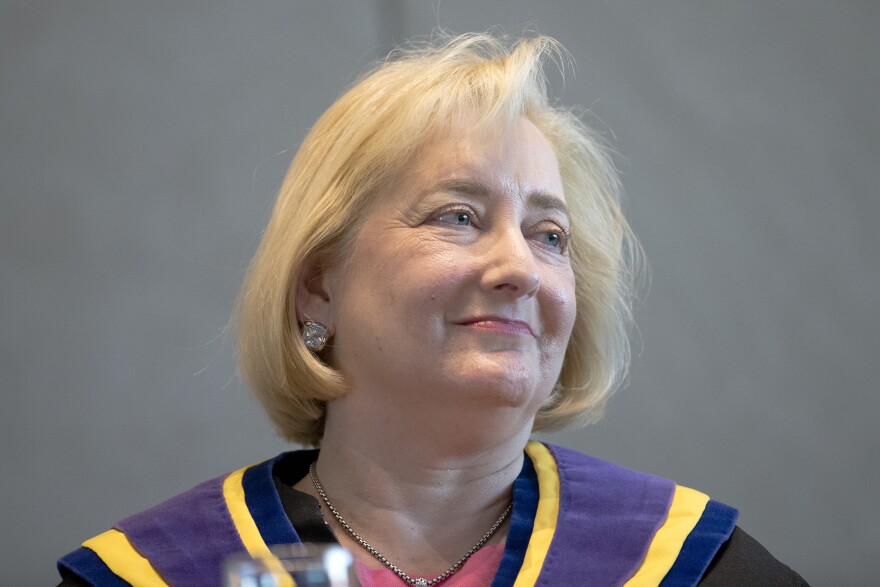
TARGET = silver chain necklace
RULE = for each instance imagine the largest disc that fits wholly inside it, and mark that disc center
(419, 582)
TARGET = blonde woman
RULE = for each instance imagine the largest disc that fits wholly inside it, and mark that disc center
(446, 270)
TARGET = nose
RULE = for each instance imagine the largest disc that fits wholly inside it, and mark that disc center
(511, 267)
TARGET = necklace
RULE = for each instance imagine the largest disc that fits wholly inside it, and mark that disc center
(418, 582)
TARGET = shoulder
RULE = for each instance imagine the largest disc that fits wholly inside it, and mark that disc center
(743, 561)
(192, 533)
(640, 527)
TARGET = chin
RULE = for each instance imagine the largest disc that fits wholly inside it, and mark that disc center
(508, 390)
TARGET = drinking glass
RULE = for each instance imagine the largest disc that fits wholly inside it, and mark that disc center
(289, 565)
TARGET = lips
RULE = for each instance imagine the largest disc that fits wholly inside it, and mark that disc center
(499, 324)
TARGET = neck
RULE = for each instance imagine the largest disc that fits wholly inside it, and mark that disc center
(421, 497)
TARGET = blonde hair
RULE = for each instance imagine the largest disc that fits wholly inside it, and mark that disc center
(370, 133)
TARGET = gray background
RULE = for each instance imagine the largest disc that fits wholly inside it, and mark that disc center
(141, 145)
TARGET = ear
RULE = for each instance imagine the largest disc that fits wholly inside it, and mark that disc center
(312, 297)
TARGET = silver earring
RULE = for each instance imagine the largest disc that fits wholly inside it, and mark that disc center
(315, 335)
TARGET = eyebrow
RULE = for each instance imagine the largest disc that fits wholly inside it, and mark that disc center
(539, 199)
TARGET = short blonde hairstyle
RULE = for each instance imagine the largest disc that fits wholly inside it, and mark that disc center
(371, 133)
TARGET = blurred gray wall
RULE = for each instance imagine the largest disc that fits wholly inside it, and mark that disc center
(141, 145)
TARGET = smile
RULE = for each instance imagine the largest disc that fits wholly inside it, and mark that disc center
(499, 325)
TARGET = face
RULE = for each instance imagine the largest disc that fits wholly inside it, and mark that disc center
(459, 292)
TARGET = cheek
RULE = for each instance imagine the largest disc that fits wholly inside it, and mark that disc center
(561, 302)
(408, 283)
(432, 274)
(560, 310)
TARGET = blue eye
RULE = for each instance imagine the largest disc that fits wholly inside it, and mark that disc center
(554, 239)
(456, 217)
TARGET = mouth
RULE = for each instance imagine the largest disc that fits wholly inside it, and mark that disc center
(499, 325)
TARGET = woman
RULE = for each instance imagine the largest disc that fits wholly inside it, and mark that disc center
(446, 270)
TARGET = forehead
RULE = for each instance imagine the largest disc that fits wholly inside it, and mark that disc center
(515, 158)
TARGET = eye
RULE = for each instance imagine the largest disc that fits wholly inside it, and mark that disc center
(458, 216)
(553, 238)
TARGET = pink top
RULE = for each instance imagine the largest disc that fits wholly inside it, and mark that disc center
(478, 571)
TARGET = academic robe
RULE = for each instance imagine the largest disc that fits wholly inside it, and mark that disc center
(576, 520)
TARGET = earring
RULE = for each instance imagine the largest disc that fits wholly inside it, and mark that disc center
(315, 335)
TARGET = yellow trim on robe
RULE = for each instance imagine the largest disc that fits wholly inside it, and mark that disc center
(121, 557)
(233, 493)
(684, 512)
(546, 515)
